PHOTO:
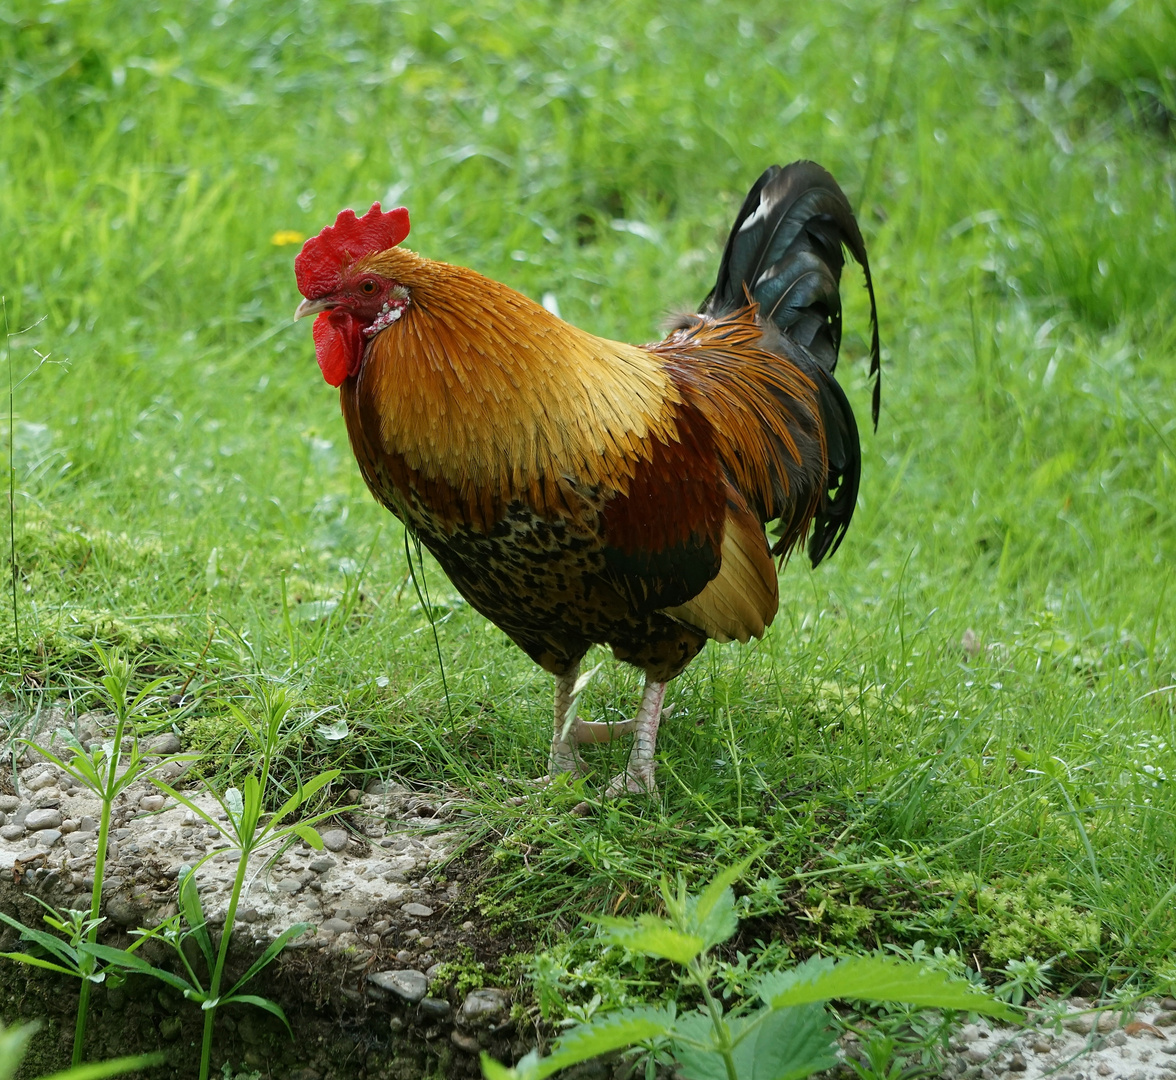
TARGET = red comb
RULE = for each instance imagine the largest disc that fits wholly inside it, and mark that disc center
(319, 264)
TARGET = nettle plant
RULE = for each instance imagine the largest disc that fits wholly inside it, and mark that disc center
(781, 1031)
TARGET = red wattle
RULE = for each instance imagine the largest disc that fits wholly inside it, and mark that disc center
(338, 345)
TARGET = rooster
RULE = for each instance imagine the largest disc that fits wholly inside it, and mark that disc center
(582, 491)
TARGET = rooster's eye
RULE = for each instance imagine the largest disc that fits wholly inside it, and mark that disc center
(368, 286)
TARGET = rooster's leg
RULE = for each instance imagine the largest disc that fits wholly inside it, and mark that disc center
(638, 776)
(563, 742)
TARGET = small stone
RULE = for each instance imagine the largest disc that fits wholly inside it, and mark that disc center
(419, 911)
(322, 864)
(1042, 1046)
(1103, 1069)
(167, 743)
(152, 803)
(40, 781)
(1168, 1004)
(1117, 1038)
(409, 985)
(426, 943)
(435, 1008)
(335, 839)
(87, 824)
(48, 837)
(433, 970)
(121, 911)
(464, 1042)
(249, 915)
(69, 825)
(482, 1008)
(1165, 1019)
(1080, 1025)
(1017, 1063)
(974, 1055)
(336, 926)
(290, 885)
(467, 926)
(12, 832)
(1108, 1021)
(43, 819)
(1168, 1048)
(9, 803)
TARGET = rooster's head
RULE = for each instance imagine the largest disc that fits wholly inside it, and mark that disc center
(352, 302)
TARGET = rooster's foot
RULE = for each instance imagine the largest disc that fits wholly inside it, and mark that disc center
(563, 759)
(632, 783)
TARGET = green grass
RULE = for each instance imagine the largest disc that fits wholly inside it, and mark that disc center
(185, 488)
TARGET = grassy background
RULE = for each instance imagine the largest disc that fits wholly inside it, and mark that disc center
(960, 730)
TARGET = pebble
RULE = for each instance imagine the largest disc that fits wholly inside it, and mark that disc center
(152, 803)
(975, 1055)
(482, 1007)
(9, 803)
(1103, 1069)
(43, 819)
(1017, 1063)
(1042, 1046)
(435, 1008)
(467, 926)
(167, 743)
(419, 911)
(43, 780)
(48, 837)
(336, 926)
(335, 839)
(69, 825)
(407, 984)
(432, 971)
(464, 1042)
(1168, 1004)
(1168, 1048)
(404, 956)
(1165, 1019)
(290, 885)
(12, 832)
(87, 824)
(322, 864)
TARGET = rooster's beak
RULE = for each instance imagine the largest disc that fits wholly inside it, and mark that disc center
(313, 307)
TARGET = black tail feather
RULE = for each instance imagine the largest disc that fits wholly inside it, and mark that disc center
(785, 253)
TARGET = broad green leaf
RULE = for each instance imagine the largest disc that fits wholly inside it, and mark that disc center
(654, 937)
(51, 944)
(271, 951)
(713, 893)
(194, 915)
(36, 961)
(768, 1045)
(615, 1031)
(873, 978)
(261, 1003)
(304, 792)
(719, 923)
(128, 961)
(311, 836)
(99, 1070)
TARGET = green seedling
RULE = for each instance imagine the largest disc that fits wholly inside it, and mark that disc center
(106, 770)
(786, 1037)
